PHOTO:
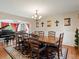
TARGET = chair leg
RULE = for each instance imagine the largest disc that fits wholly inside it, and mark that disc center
(37, 55)
(58, 54)
(31, 55)
(10, 41)
(61, 53)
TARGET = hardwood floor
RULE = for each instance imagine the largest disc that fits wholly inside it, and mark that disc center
(3, 53)
(72, 53)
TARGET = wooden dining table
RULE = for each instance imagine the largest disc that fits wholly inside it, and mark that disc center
(48, 40)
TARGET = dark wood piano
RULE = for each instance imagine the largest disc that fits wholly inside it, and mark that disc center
(5, 33)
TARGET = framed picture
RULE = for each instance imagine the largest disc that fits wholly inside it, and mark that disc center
(67, 21)
(37, 23)
(49, 23)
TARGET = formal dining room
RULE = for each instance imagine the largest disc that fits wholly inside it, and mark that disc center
(39, 29)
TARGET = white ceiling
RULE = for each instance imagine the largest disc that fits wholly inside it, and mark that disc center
(26, 8)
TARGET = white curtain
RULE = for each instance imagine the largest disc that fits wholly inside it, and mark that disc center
(23, 27)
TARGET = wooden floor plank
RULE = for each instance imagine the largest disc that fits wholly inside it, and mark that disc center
(72, 53)
(4, 54)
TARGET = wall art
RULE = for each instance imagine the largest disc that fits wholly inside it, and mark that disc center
(49, 23)
(67, 21)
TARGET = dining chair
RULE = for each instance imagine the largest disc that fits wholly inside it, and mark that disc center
(12, 38)
(25, 47)
(19, 39)
(51, 34)
(25, 43)
(57, 47)
(25, 36)
(60, 42)
(36, 32)
(41, 34)
(22, 43)
(35, 49)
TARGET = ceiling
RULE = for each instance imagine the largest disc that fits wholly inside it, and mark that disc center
(26, 8)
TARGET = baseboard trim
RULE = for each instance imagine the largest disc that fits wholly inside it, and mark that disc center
(69, 46)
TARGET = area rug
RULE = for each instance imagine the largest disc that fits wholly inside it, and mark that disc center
(55, 56)
(64, 54)
(17, 55)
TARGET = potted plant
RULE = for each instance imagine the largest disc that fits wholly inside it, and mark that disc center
(76, 38)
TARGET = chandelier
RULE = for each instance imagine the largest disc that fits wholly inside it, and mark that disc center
(36, 16)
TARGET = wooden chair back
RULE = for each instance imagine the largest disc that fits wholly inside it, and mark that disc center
(51, 34)
(34, 48)
(25, 35)
(19, 38)
(36, 32)
(61, 39)
(34, 44)
(60, 44)
(41, 34)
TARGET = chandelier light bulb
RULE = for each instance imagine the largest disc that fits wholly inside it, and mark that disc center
(40, 17)
(36, 15)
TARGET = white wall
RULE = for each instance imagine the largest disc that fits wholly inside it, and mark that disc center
(69, 31)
